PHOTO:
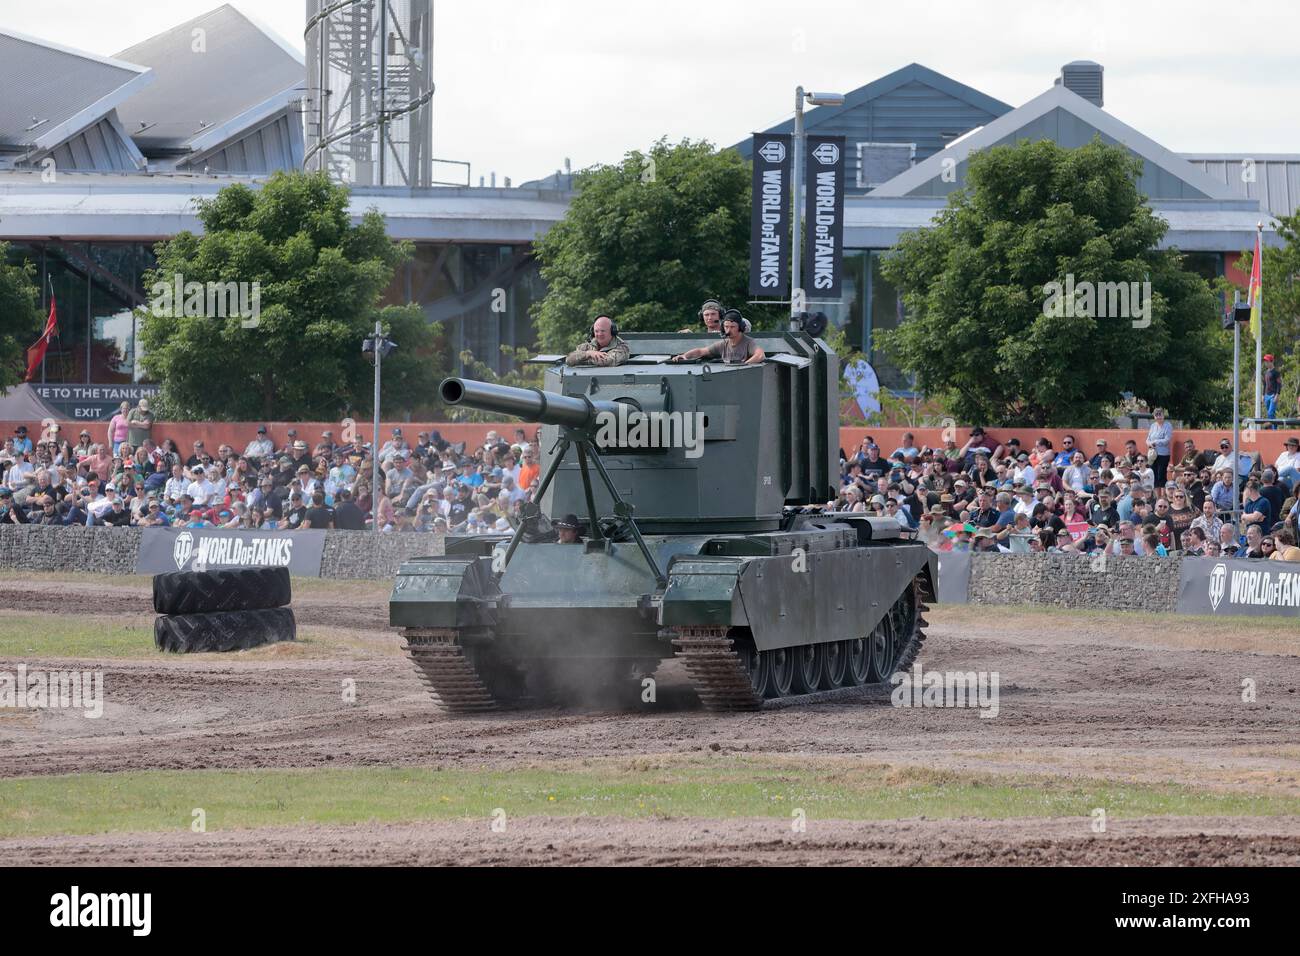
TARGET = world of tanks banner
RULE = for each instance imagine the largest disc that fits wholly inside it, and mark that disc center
(824, 217)
(212, 549)
(769, 220)
(1239, 587)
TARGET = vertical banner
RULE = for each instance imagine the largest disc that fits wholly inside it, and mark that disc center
(823, 261)
(769, 220)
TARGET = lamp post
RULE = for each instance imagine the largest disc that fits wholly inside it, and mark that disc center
(797, 299)
(375, 347)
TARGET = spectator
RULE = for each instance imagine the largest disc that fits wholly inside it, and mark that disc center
(1208, 522)
(259, 448)
(1284, 549)
(1160, 438)
(347, 516)
(1254, 546)
(1228, 543)
(139, 423)
(1181, 515)
(1288, 462)
(318, 515)
(1256, 510)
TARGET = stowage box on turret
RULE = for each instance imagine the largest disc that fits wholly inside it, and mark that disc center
(699, 485)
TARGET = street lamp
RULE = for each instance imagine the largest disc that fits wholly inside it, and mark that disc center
(797, 303)
(375, 347)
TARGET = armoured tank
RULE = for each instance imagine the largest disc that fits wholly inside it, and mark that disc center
(703, 488)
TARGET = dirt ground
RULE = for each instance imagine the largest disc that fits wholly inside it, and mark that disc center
(1093, 696)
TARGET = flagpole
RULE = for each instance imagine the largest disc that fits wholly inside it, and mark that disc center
(1236, 412)
(45, 355)
(1259, 294)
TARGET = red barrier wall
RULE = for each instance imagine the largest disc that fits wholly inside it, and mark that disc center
(238, 434)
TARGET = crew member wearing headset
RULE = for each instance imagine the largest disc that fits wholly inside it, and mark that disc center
(734, 348)
(711, 315)
(603, 348)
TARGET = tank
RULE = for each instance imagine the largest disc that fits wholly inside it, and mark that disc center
(702, 488)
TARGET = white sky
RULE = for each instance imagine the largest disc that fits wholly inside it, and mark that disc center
(522, 84)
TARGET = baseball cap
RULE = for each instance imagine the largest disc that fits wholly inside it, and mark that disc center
(261, 429)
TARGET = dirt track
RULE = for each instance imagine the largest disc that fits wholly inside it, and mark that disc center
(621, 842)
(1073, 701)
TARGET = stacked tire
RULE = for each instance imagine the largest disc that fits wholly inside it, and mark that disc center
(232, 609)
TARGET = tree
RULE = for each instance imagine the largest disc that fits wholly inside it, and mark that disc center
(989, 332)
(646, 241)
(20, 319)
(319, 278)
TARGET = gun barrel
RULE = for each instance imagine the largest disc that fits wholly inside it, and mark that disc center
(530, 404)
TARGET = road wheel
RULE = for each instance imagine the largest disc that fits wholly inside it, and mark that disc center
(835, 664)
(858, 661)
(808, 663)
(781, 671)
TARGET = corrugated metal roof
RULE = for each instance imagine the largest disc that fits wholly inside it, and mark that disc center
(1068, 118)
(52, 92)
(237, 66)
(1272, 178)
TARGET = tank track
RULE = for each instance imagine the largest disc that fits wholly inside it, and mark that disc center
(719, 674)
(723, 682)
(442, 665)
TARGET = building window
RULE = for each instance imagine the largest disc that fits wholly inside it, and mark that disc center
(880, 162)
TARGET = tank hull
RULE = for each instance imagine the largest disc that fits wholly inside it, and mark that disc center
(823, 584)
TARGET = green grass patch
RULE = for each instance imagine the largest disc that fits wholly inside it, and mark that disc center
(325, 587)
(680, 788)
(44, 637)
(40, 636)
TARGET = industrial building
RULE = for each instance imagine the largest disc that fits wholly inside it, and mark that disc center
(102, 157)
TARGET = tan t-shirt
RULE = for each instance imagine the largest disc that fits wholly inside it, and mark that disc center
(733, 354)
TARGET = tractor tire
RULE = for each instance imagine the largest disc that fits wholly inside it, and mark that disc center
(223, 630)
(227, 589)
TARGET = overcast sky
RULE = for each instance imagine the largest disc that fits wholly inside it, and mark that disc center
(523, 84)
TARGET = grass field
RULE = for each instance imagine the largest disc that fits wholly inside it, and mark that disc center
(37, 636)
(672, 788)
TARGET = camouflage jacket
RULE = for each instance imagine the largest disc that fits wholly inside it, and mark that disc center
(615, 353)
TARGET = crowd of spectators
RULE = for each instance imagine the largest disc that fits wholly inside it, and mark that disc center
(993, 495)
(121, 477)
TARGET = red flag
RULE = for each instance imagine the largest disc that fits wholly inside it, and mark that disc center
(36, 354)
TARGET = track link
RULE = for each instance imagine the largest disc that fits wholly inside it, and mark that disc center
(442, 665)
(716, 669)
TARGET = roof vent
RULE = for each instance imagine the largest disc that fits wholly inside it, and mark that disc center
(1084, 78)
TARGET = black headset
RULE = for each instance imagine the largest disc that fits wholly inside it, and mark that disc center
(720, 309)
(613, 326)
(733, 315)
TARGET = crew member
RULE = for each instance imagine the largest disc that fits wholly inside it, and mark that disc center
(604, 347)
(711, 315)
(567, 528)
(734, 348)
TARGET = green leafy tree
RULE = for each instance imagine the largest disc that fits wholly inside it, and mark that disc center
(20, 319)
(985, 332)
(646, 241)
(320, 279)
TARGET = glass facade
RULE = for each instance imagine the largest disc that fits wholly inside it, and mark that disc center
(96, 286)
(481, 293)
